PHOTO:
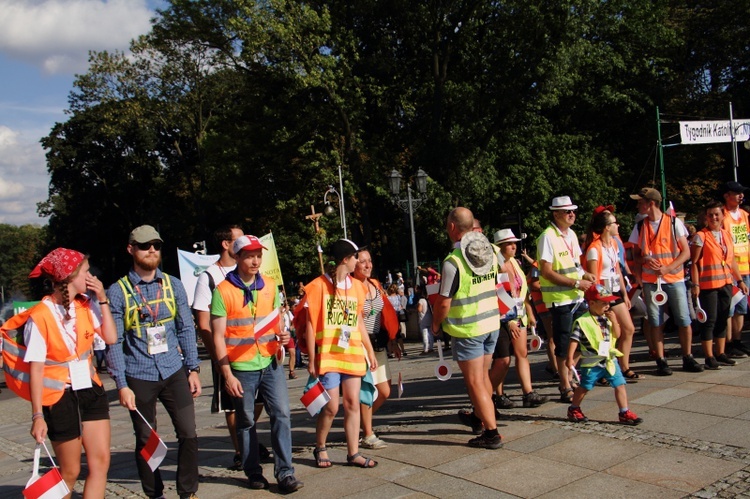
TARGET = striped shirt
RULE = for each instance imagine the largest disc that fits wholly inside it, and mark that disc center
(371, 312)
(129, 356)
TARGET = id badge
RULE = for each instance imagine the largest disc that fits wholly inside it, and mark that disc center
(604, 347)
(157, 339)
(344, 336)
(520, 308)
(80, 375)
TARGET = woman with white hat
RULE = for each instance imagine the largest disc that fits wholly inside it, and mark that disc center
(513, 329)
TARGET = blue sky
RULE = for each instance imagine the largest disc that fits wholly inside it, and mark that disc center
(43, 45)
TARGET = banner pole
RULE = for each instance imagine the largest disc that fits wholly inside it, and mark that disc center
(661, 162)
(734, 142)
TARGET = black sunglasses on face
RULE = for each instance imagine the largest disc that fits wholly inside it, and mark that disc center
(568, 212)
(147, 246)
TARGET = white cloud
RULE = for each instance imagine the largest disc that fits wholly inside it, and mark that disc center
(57, 35)
(23, 175)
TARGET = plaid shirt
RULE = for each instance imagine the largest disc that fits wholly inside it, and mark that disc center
(129, 356)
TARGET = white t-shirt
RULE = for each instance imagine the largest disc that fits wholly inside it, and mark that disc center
(99, 343)
(546, 253)
(203, 292)
(679, 228)
(36, 347)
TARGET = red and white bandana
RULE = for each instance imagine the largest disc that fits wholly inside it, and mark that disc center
(58, 264)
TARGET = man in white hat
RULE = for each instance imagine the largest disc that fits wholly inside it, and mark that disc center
(563, 281)
(466, 308)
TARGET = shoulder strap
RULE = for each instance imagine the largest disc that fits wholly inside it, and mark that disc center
(211, 281)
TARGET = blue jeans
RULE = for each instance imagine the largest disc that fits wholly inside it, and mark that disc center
(677, 302)
(271, 383)
(562, 324)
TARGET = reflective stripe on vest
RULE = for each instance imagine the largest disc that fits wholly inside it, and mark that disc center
(662, 247)
(564, 264)
(738, 229)
(239, 336)
(473, 311)
(131, 317)
(326, 307)
(56, 371)
(593, 332)
(714, 270)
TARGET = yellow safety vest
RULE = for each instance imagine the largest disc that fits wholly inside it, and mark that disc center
(131, 317)
(564, 263)
(591, 358)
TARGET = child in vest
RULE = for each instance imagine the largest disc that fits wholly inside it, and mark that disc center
(595, 333)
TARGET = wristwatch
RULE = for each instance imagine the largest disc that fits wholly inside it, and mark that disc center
(577, 284)
(196, 369)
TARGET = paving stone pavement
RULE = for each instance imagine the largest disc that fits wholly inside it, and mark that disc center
(694, 441)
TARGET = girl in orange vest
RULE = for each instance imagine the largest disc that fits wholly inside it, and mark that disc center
(59, 336)
(338, 346)
(714, 271)
(602, 260)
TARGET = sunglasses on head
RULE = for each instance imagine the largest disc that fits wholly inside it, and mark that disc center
(147, 246)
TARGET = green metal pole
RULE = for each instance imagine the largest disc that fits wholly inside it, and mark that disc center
(661, 162)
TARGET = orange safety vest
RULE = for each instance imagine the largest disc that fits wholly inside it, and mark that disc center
(714, 269)
(242, 343)
(661, 246)
(327, 308)
(738, 230)
(599, 247)
(56, 374)
(536, 294)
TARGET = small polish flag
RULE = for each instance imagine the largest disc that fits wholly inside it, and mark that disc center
(400, 385)
(432, 293)
(269, 322)
(505, 302)
(315, 398)
(155, 451)
(670, 210)
(737, 296)
(49, 486)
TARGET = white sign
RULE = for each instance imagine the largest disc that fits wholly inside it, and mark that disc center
(711, 132)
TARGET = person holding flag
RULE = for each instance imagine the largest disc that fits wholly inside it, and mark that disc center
(339, 349)
(156, 357)
(245, 320)
(714, 271)
(736, 221)
(68, 401)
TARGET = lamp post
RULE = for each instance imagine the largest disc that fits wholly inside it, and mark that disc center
(329, 211)
(409, 204)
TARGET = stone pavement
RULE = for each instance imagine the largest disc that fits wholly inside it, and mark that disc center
(694, 441)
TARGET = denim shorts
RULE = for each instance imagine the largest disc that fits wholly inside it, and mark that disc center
(741, 307)
(677, 302)
(590, 375)
(333, 380)
(477, 346)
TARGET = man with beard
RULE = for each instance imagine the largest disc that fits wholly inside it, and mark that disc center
(154, 324)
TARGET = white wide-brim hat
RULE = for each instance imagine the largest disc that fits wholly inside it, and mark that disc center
(477, 252)
(562, 203)
(505, 236)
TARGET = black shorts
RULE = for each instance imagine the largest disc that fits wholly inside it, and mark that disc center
(221, 400)
(65, 418)
(504, 345)
(619, 299)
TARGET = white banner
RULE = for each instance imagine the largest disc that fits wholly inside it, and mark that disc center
(191, 266)
(711, 132)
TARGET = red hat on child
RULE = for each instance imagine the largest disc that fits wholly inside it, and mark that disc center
(599, 292)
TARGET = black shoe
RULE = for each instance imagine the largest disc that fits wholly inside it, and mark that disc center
(257, 482)
(691, 365)
(468, 418)
(724, 359)
(662, 367)
(503, 401)
(236, 463)
(485, 442)
(735, 353)
(711, 364)
(263, 453)
(738, 346)
(533, 399)
(290, 484)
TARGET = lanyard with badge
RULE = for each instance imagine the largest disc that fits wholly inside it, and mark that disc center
(576, 261)
(605, 344)
(345, 331)
(78, 370)
(156, 333)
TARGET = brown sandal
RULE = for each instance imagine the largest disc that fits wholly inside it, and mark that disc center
(321, 462)
(566, 395)
(632, 376)
(368, 463)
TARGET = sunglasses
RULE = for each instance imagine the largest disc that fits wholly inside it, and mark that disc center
(147, 246)
(570, 212)
(613, 223)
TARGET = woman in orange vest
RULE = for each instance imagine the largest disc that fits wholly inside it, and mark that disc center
(602, 259)
(714, 271)
(378, 314)
(339, 347)
(59, 336)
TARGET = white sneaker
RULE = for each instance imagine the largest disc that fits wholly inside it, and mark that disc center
(372, 442)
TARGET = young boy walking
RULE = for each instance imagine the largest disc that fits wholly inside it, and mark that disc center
(595, 333)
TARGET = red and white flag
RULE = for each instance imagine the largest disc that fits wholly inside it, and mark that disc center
(505, 302)
(737, 296)
(400, 385)
(670, 210)
(268, 323)
(155, 451)
(49, 486)
(315, 398)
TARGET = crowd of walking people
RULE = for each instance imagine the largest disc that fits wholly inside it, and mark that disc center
(578, 294)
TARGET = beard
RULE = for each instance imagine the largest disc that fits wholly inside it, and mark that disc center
(149, 261)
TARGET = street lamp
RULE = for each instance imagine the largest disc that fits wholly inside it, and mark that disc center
(409, 204)
(329, 211)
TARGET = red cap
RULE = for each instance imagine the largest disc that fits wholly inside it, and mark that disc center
(248, 243)
(610, 208)
(58, 264)
(599, 292)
